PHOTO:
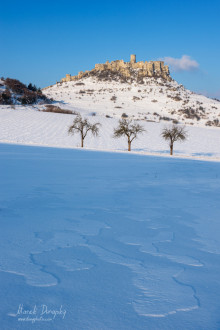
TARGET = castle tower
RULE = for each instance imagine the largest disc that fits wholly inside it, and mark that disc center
(68, 77)
(133, 59)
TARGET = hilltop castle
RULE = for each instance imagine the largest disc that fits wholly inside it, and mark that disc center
(127, 69)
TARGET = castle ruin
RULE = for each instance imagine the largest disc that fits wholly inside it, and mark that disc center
(127, 69)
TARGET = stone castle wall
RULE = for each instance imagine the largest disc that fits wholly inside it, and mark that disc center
(128, 69)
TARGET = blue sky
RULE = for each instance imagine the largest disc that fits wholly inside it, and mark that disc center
(41, 41)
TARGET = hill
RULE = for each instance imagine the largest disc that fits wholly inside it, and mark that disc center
(154, 99)
(14, 92)
(101, 95)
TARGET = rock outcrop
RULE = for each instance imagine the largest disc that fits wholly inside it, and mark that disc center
(125, 70)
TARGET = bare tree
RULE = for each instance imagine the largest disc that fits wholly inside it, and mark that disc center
(173, 134)
(83, 126)
(129, 129)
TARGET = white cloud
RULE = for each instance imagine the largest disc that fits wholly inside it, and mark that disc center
(185, 63)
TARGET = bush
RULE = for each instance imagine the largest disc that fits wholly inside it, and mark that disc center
(79, 84)
(15, 86)
(5, 97)
(190, 114)
(215, 123)
(177, 98)
(22, 93)
(90, 91)
(28, 97)
(165, 118)
(55, 109)
(140, 81)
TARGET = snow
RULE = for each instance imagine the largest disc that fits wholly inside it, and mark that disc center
(149, 101)
(28, 126)
(107, 240)
(92, 99)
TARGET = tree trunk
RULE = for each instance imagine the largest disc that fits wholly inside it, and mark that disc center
(129, 145)
(171, 149)
(82, 140)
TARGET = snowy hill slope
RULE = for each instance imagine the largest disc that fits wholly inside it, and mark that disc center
(154, 104)
(155, 100)
(27, 125)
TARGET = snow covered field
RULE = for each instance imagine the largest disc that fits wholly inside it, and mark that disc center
(108, 240)
(155, 103)
(27, 125)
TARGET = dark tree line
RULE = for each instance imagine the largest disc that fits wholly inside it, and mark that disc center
(34, 88)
